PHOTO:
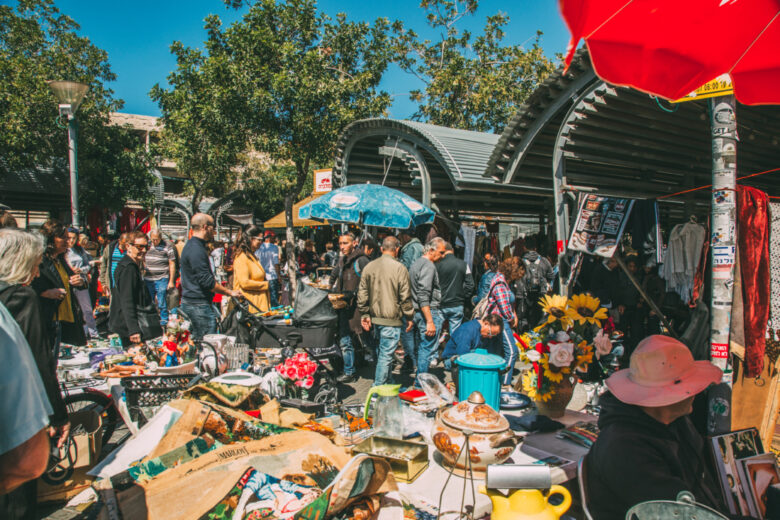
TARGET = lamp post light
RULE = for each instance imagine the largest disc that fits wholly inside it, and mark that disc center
(70, 94)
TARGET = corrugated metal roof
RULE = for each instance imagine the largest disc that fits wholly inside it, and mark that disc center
(464, 152)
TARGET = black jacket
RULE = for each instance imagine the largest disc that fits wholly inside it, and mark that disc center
(455, 281)
(129, 293)
(347, 279)
(197, 278)
(22, 302)
(636, 459)
(604, 284)
(72, 333)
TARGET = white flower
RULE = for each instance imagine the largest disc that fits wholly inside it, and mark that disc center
(561, 354)
(533, 356)
(603, 344)
(561, 337)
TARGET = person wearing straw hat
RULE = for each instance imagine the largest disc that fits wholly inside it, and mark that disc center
(648, 448)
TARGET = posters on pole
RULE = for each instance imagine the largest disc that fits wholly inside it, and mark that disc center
(600, 224)
(323, 181)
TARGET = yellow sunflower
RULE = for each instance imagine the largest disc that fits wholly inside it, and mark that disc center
(586, 309)
(555, 308)
(529, 387)
(555, 376)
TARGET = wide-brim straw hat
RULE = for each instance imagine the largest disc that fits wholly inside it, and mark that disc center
(662, 372)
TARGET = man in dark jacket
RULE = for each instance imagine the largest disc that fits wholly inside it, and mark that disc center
(648, 448)
(347, 280)
(456, 285)
(198, 283)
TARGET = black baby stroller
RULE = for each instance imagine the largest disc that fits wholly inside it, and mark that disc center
(314, 331)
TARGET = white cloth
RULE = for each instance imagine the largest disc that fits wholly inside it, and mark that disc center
(683, 254)
(24, 407)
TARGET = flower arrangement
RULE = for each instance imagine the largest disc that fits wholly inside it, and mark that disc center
(565, 342)
(297, 373)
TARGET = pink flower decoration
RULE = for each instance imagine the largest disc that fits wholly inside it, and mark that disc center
(292, 373)
(308, 382)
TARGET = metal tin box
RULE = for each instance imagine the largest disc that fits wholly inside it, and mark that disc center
(407, 459)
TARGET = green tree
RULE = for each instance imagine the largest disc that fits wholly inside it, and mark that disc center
(38, 43)
(297, 77)
(202, 116)
(474, 83)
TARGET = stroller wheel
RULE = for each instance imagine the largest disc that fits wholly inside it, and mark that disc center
(326, 394)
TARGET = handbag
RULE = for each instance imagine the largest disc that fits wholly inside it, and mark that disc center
(148, 321)
(172, 296)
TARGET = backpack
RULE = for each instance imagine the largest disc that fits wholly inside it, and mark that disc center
(482, 308)
(536, 281)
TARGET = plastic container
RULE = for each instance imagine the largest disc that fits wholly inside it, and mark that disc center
(480, 372)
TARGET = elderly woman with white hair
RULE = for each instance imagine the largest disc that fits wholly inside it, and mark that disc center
(20, 258)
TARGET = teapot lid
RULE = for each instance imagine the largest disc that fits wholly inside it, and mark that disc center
(475, 415)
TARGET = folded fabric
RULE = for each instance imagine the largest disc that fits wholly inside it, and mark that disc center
(534, 423)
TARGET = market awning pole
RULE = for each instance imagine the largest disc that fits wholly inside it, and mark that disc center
(723, 122)
(561, 210)
(644, 296)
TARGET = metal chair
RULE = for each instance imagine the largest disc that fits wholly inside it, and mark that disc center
(581, 481)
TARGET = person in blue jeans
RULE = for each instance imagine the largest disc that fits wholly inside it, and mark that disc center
(426, 299)
(268, 254)
(198, 283)
(384, 303)
(159, 272)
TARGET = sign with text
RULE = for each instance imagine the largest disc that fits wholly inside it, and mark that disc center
(322, 181)
(600, 224)
(720, 86)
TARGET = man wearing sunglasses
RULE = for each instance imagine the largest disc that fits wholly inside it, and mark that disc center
(474, 334)
(198, 283)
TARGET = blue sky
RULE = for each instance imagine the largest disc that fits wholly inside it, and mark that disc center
(137, 35)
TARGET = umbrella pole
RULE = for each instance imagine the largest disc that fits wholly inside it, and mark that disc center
(723, 123)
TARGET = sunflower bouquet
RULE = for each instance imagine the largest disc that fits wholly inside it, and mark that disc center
(566, 341)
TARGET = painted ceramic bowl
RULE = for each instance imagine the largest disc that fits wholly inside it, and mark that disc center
(491, 440)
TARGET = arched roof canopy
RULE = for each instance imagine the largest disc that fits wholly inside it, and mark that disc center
(620, 141)
(439, 166)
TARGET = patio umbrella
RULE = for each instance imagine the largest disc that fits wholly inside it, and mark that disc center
(670, 48)
(369, 205)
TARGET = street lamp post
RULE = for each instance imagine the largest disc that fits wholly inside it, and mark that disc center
(70, 94)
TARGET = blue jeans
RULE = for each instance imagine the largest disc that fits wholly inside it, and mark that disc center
(159, 289)
(204, 319)
(346, 345)
(388, 342)
(453, 316)
(510, 352)
(408, 343)
(426, 346)
(273, 291)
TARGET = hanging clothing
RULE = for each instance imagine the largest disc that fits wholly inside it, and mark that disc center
(682, 258)
(753, 243)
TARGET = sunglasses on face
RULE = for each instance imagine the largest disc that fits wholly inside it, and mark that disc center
(141, 246)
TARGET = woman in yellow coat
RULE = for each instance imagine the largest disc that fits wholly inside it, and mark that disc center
(248, 274)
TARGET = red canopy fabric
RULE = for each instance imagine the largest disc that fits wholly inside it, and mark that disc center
(670, 48)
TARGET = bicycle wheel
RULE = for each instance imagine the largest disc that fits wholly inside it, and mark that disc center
(102, 404)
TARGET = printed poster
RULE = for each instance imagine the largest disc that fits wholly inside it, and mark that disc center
(600, 224)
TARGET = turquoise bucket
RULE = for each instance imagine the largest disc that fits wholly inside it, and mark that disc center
(481, 372)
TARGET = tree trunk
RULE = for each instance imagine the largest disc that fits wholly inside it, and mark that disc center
(195, 201)
(292, 264)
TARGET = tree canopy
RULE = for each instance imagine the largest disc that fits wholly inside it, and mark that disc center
(38, 43)
(471, 82)
(286, 79)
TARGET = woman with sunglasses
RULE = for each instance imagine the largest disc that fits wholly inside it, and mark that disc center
(129, 291)
(55, 286)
